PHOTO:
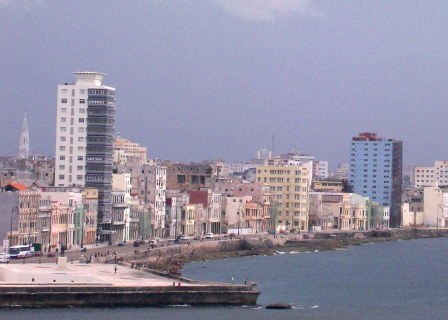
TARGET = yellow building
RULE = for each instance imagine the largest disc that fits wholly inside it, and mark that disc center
(289, 189)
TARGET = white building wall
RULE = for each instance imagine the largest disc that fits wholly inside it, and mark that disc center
(71, 132)
(433, 206)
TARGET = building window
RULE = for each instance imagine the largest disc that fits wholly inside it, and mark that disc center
(63, 119)
(82, 101)
(79, 177)
(80, 158)
(79, 167)
(62, 138)
(61, 157)
(82, 110)
(81, 120)
(62, 148)
(64, 100)
(61, 176)
(63, 129)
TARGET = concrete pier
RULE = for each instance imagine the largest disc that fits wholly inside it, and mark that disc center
(47, 285)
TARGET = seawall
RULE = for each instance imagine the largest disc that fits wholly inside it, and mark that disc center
(84, 295)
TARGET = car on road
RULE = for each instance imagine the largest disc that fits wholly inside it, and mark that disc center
(232, 235)
(184, 237)
(24, 254)
(4, 258)
(121, 244)
(209, 235)
(153, 243)
(136, 243)
(51, 254)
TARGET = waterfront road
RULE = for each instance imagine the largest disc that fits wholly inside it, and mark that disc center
(108, 250)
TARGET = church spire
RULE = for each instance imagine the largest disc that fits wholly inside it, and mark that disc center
(24, 149)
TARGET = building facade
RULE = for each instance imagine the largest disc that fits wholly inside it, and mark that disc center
(289, 189)
(376, 171)
(436, 175)
(84, 138)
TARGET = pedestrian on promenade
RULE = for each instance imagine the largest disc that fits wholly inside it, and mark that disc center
(245, 280)
(233, 278)
(115, 269)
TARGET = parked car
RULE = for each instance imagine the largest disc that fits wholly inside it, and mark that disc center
(121, 244)
(4, 258)
(51, 254)
(184, 237)
(153, 243)
(24, 254)
(136, 243)
(38, 254)
(232, 235)
(209, 235)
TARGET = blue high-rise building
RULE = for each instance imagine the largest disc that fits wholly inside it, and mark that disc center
(376, 171)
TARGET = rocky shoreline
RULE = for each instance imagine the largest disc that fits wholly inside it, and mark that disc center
(171, 261)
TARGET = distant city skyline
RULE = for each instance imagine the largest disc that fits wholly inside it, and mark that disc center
(216, 79)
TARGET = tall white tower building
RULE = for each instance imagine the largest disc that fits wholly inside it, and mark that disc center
(84, 136)
(24, 149)
(71, 128)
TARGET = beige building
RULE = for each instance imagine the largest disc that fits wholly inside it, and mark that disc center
(327, 186)
(123, 149)
(436, 175)
(29, 231)
(435, 207)
(289, 189)
(412, 214)
(324, 210)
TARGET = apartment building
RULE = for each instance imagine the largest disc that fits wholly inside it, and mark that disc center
(437, 175)
(376, 171)
(289, 189)
(84, 138)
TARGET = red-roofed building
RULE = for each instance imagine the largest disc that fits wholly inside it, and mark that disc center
(15, 186)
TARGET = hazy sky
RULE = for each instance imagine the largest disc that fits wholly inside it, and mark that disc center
(213, 79)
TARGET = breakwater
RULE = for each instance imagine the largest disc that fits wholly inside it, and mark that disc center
(86, 295)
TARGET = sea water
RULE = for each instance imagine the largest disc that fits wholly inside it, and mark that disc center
(391, 280)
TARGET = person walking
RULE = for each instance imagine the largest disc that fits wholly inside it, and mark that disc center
(115, 269)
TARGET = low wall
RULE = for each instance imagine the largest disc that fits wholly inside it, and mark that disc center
(402, 233)
(106, 296)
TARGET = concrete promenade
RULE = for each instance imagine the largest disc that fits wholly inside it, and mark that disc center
(82, 273)
(100, 285)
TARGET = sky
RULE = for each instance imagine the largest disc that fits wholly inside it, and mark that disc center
(200, 80)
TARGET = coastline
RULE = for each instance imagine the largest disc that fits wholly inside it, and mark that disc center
(170, 262)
